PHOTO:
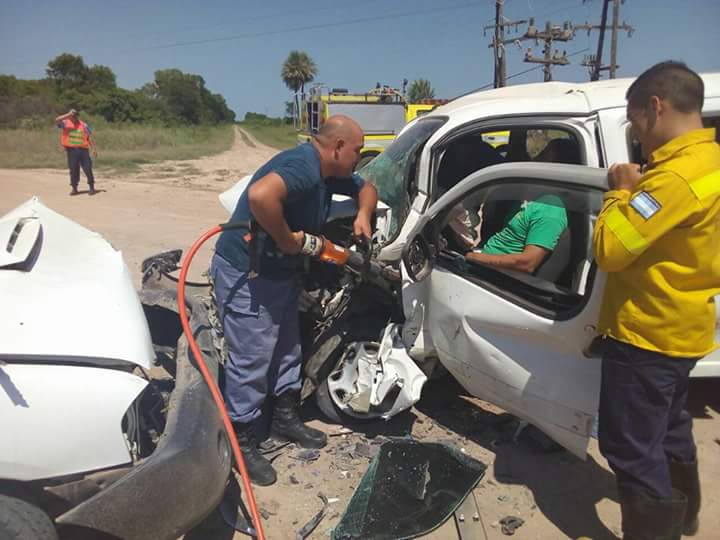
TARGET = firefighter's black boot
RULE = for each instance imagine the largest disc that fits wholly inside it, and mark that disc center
(685, 478)
(648, 518)
(287, 426)
(259, 469)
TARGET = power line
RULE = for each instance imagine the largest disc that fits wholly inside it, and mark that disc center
(311, 27)
(490, 85)
(285, 13)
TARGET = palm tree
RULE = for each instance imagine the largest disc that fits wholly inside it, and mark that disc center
(420, 89)
(298, 70)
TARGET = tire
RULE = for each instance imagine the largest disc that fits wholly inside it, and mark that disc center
(332, 412)
(326, 405)
(20, 520)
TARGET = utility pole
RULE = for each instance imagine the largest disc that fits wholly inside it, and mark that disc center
(613, 42)
(499, 42)
(594, 62)
(549, 36)
(601, 42)
(500, 51)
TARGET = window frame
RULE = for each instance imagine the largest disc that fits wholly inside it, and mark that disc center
(495, 280)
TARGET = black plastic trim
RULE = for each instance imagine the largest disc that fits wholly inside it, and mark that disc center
(184, 480)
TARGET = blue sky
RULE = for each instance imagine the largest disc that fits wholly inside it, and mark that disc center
(354, 44)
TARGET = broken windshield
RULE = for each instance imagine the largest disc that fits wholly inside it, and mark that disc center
(390, 172)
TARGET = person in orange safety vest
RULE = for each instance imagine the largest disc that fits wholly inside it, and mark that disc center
(76, 140)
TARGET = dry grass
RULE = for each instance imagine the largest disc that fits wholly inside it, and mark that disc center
(278, 135)
(120, 147)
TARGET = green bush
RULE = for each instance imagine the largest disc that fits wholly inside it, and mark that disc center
(173, 98)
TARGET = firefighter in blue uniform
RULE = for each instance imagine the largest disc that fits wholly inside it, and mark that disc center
(288, 196)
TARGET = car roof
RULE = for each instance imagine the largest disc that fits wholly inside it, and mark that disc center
(553, 97)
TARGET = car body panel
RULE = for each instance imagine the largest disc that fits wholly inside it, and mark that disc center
(184, 479)
(57, 424)
(74, 302)
(530, 365)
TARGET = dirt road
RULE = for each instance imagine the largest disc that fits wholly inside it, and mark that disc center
(168, 205)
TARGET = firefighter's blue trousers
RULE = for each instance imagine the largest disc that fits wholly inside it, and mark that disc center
(261, 326)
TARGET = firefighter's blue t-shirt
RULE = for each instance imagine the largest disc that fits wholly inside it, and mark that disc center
(306, 209)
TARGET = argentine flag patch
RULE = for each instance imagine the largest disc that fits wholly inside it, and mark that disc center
(645, 205)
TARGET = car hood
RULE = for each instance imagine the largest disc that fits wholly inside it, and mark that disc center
(67, 293)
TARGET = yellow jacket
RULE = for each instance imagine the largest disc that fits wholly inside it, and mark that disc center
(661, 248)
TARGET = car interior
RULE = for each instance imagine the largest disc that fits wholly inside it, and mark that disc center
(560, 282)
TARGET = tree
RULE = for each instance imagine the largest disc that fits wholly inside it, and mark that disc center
(183, 97)
(68, 71)
(100, 78)
(420, 89)
(298, 70)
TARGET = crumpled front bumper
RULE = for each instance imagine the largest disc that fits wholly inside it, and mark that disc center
(185, 477)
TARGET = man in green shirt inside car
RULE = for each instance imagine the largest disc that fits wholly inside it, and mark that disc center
(527, 239)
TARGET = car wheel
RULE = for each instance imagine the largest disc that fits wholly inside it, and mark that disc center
(330, 395)
(20, 520)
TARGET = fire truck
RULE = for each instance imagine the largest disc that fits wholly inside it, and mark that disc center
(382, 112)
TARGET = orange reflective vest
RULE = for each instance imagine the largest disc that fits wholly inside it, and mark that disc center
(75, 135)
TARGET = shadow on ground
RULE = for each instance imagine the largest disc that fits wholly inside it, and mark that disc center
(565, 488)
(703, 395)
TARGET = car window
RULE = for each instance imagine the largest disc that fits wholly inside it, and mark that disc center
(393, 170)
(473, 151)
(502, 218)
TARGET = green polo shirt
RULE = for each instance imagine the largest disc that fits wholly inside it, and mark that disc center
(540, 223)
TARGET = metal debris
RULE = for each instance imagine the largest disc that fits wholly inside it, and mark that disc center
(272, 449)
(340, 431)
(310, 526)
(363, 450)
(509, 524)
(306, 455)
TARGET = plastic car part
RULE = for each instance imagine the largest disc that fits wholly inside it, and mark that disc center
(193, 451)
(409, 489)
(374, 380)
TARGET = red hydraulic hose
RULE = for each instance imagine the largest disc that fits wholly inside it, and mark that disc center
(214, 390)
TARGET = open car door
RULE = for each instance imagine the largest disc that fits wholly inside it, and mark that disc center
(513, 339)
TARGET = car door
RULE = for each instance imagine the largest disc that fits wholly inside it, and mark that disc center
(509, 338)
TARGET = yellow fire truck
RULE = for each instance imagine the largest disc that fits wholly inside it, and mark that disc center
(381, 112)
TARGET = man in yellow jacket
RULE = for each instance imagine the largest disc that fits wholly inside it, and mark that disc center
(658, 238)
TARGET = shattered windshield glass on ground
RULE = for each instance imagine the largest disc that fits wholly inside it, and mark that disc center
(409, 489)
(391, 170)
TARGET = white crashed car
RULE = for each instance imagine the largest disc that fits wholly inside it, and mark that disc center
(517, 340)
(92, 443)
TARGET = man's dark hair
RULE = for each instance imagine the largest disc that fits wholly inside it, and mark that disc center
(672, 81)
